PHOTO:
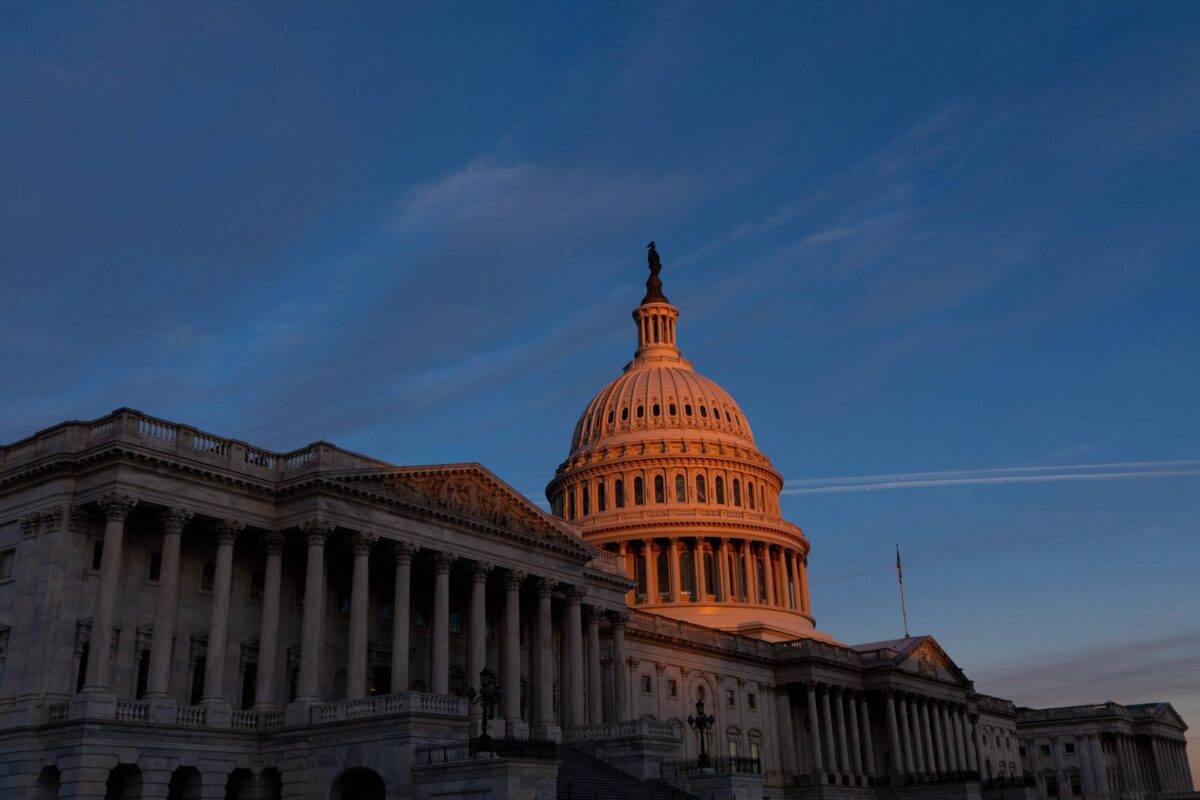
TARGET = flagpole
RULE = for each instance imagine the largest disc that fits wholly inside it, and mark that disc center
(900, 579)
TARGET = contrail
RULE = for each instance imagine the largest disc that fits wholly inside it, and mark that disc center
(1121, 470)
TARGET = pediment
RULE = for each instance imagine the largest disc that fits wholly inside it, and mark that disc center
(471, 492)
(1169, 716)
(930, 660)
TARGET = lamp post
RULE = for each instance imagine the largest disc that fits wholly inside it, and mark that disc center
(701, 723)
(488, 697)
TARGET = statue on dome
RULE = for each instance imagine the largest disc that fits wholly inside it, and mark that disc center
(654, 283)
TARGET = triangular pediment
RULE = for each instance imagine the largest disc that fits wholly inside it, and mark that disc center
(1167, 715)
(471, 492)
(930, 660)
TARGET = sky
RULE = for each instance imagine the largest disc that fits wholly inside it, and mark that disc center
(943, 255)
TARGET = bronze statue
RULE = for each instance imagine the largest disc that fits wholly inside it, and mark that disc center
(654, 283)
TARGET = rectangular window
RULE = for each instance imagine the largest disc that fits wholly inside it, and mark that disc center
(300, 592)
(258, 582)
(733, 748)
(154, 568)
(455, 623)
(672, 687)
(730, 698)
(752, 701)
(249, 679)
(7, 560)
(710, 575)
(386, 611)
(97, 554)
(1045, 749)
(647, 685)
(754, 750)
(421, 618)
(343, 600)
(1069, 747)
(208, 576)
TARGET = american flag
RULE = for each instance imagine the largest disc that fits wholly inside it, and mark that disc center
(899, 566)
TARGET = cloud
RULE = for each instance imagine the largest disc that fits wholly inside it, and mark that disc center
(995, 475)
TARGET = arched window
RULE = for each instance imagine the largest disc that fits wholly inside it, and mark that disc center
(737, 493)
(704, 411)
(611, 417)
(641, 412)
(680, 489)
(687, 409)
(660, 489)
(710, 575)
(655, 409)
(587, 500)
(671, 409)
(716, 413)
(701, 494)
(719, 485)
(687, 576)
(624, 414)
(750, 494)
(570, 504)
(639, 492)
(619, 492)
(601, 497)
(640, 573)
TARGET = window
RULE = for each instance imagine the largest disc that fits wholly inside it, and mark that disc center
(663, 563)
(344, 600)
(647, 685)
(587, 500)
(733, 748)
(737, 492)
(1069, 747)
(655, 410)
(81, 675)
(750, 494)
(197, 681)
(639, 492)
(751, 701)
(258, 581)
(249, 678)
(704, 411)
(420, 619)
(300, 592)
(672, 687)
(619, 492)
(624, 414)
(387, 610)
(7, 559)
(680, 489)
(671, 409)
(701, 495)
(455, 623)
(730, 698)
(611, 417)
(1022, 752)
(97, 554)
(143, 674)
(754, 751)
(153, 567)
(1045, 749)
(208, 576)
(719, 485)
(601, 496)
(660, 490)
(709, 573)
(641, 412)
(687, 409)
(687, 575)
(570, 504)
(716, 413)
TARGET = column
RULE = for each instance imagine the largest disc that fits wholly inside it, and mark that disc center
(935, 733)
(1097, 776)
(751, 576)
(977, 745)
(855, 741)
(166, 604)
(787, 740)
(620, 669)
(439, 669)
(1185, 765)
(781, 587)
(931, 764)
(673, 560)
(402, 553)
(947, 738)
(864, 711)
(804, 585)
(839, 710)
(511, 693)
(910, 760)
(918, 744)
(623, 556)
(360, 613)
(116, 508)
(769, 575)
(477, 637)
(651, 559)
(268, 634)
(218, 631)
(968, 740)
(830, 746)
(701, 577)
(574, 623)
(316, 532)
(814, 725)
(727, 584)
(898, 763)
(595, 700)
(960, 752)
(547, 725)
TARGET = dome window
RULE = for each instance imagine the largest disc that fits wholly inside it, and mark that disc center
(641, 412)
(701, 494)
(737, 493)
(750, 494)
(619, 493)
(601, 497)
(611, 417)
(719, 486)
(680, 489)
(687, 409)
(625, 414)
(639, 492)
(571, 504)
(655, 410)
(716, 413)
(660, 489)
(704, 411)
(587, 500)
(672, 410)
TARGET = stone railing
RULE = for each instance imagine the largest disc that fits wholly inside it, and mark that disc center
(812, 648)
(385, 705)
(642, 621)
(57, 712)
(130, 711)
(608, 562)
(190, 716)
(130, 427)
(1064, 713)
(271, 719)
(620, 730)
(244, 720)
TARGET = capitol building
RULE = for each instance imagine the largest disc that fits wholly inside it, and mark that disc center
(184, 615)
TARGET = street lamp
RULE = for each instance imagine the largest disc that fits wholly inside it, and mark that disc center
(701, 723)
(488, 697)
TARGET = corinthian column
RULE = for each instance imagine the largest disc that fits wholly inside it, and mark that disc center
(402, 555)
(676, 590)
(910, 760)
(651, 561)
(316, 532)
(439, 678)
(725, 576)
(116, 508)
(477, 643)
(511, 695)
(750, 572)
(620, 670)
(594, 697)
(868, 742)
(218, 632)
(166, 604)
(547, 726)
(769, 574)
(356, 671)
(574, 641)
(814, 726)
(268, 636)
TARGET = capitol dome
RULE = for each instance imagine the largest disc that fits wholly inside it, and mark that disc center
(663, 472)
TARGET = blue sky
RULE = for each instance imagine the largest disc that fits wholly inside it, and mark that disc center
(907, 238)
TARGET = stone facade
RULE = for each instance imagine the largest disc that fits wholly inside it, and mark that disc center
(185, 615)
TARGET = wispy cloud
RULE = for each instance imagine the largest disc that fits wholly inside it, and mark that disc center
(1124, 470)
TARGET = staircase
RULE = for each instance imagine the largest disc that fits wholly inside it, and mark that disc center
(582, 777)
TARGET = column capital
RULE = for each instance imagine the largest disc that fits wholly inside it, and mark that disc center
(52, 518)
(361, 541)
(442, 561)
(479, 571)
(316, 531)
(116, 506)
(403, 552)
(514, 579)
(592, 615)
(273, 542)
(545, 586)
(30, 523)
(575, 595)
(618, 619)
(228, 530)
(175, 518)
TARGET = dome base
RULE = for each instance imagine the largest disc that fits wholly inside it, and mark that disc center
(768, 623)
